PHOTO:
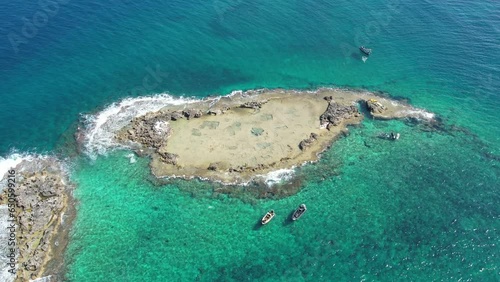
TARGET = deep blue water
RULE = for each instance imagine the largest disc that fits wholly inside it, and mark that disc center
(89, 54)
(442, 56)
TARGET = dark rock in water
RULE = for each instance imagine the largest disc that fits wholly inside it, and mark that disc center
(336, 113)
(367, 144)
(257, 131)
(253, 104)
(374, 106)
(308, 142)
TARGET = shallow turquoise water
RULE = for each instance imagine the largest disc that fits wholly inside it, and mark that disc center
(390, 211)
(91, 54)
(423, 207)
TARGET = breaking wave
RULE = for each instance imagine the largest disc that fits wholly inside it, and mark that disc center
(100, 128)
(278, 176)
(12, 161)
(420, 114)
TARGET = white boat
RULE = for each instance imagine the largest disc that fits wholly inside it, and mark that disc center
(269, 215)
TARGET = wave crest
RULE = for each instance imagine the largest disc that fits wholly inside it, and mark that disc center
(100, 128)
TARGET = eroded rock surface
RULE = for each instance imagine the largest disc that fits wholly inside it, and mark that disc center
(42, 193)
(235, 138)
(335, 114)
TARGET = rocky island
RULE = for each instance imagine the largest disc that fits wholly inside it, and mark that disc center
(237, 138)
(37, 207)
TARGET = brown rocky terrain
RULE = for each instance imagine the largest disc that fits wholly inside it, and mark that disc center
(43, 216)
(236, 138)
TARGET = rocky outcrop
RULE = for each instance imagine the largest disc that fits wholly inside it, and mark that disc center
(192, 113)
(169, 158)
(218, 110)
(152, 129)
(149, 130)
(375, 106)
(336, 113)
(253, 104)
(258, 167)
(308, 142)
(213, 166)
(176, 115)
(42, 198)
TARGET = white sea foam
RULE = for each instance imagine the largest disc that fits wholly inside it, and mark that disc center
(12, 161)
(420, 114)
(270, 179)
(161, 127)
(101, 127)
(278, 176)
(131, 158)
(43, 279)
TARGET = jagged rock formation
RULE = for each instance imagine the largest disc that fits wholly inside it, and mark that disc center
(308, 142)
(218, 110)
(253, 104)
(336, 113)
(152, 129)
(42, 198)
(168, 158)
(192, 113)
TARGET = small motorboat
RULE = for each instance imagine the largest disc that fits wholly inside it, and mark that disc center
(299, 212)
(390, 136)
(269, 215)
(365, 50)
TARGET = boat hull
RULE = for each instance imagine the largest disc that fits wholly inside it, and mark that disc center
(365, 51)
(299, 212)
(269, 215)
